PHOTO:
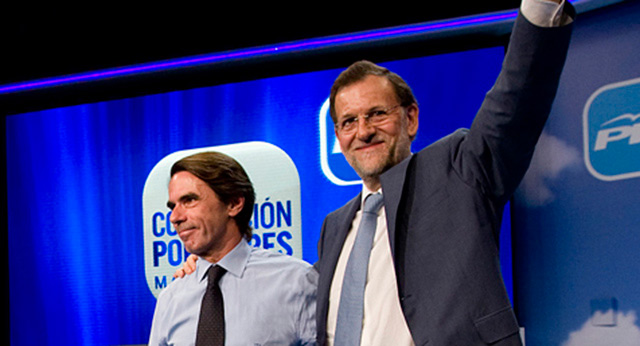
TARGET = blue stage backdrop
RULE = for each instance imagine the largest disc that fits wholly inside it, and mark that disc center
(575, 219)
(76, 178)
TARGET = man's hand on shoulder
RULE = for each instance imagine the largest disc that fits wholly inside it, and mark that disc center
(188, 267)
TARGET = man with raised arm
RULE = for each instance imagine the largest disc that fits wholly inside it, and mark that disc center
(424, 269)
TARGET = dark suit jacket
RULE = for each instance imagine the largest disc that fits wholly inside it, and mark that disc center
(444, 205)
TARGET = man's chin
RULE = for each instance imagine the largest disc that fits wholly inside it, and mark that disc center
(191, 248)
(369, 173)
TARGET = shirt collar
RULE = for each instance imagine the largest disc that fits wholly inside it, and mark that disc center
(234, 262)
(366, 192)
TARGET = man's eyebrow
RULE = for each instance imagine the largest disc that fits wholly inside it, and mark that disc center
(376, 108)
(369, 110)
(189, 196)
(184, 198)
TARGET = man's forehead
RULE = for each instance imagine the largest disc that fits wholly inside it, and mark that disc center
(372, 91)
(183, 181)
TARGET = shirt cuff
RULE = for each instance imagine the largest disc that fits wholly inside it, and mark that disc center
(545, 13)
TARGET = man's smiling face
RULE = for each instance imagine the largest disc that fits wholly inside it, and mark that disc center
(371, 150)
(204, 223)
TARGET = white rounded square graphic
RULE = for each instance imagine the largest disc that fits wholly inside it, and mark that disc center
(611, 131)
(276, 220)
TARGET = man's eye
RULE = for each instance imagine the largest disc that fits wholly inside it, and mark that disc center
(348, 122)
(189, 201)
(377, 113)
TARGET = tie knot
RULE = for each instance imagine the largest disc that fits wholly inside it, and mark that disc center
(372, 203)
(215, 273)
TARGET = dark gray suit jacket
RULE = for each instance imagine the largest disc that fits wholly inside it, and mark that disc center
(444, 205)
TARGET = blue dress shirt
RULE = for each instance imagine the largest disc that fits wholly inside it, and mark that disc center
(269, 299)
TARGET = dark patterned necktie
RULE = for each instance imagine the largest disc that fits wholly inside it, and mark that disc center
(211, 322)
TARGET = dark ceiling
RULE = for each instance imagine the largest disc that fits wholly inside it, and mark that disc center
(45, 40)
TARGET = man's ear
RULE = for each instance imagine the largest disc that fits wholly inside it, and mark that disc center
(235, 206)
(412, 120)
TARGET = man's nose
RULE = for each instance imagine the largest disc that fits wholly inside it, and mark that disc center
(365, 130)
(177, 215)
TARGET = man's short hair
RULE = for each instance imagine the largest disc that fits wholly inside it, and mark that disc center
(359, 71)
(226, 177)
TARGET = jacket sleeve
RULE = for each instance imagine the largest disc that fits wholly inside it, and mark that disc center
(495, 153)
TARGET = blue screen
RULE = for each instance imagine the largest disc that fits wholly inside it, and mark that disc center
(575, 214)
(76, 177)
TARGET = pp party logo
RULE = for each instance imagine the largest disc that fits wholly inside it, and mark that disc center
(611, 131)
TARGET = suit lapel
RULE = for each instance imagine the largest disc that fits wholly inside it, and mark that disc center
(336, 230)
(343, 224)
(392, 184)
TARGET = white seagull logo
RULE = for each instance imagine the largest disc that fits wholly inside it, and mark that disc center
(629, 116)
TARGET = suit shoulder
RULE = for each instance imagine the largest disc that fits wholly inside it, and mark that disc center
(446, 148)
(451, 140)
(344, 209)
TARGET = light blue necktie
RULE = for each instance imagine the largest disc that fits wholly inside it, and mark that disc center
(351, 309)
